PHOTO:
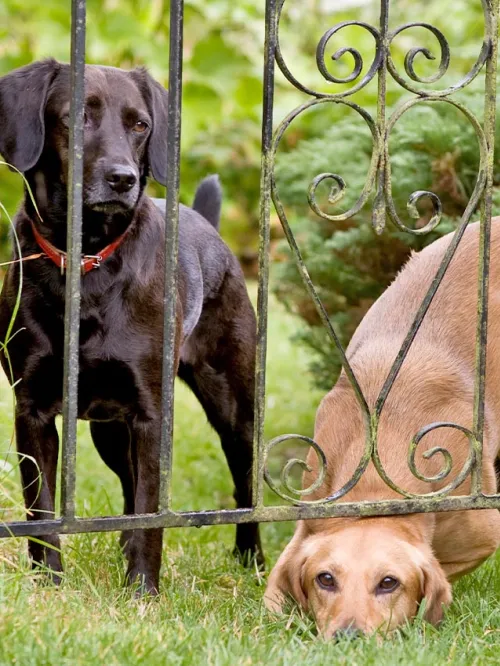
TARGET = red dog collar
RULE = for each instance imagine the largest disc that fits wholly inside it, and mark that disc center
(88, 261)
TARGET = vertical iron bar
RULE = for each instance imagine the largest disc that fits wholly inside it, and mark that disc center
(379, 205)
(74, 251)
(379, 209)
(271, 28)
(171, 249)
(484, 251)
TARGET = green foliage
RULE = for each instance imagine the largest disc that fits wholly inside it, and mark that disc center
(222, 82)
(223, 63)
(432, 147)
(222, 93)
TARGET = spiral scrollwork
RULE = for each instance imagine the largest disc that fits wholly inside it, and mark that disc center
(412, 53)
(445, 470)
(285, 490)
(356, 55)
(321, 60)
(358, 65)
(444, 59)
(335, 196)
(413, 212)
(339, 187)
(336, 193)
(416, 196)
(380, 58)
(447, 458)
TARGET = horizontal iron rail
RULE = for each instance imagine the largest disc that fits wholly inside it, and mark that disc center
(266, 514)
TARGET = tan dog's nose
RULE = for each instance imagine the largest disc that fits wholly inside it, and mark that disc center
(350, 632)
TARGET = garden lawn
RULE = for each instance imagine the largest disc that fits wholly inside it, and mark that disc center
(210, 609)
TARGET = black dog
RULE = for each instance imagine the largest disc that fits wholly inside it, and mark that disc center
(121, 300)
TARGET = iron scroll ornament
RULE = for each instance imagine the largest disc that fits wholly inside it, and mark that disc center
(380, 174)
(378, 59)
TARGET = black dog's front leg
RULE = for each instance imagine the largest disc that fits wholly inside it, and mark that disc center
(144, 546)
(38, 448)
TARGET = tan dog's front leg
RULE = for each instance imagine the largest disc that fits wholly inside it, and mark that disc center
(465, 539)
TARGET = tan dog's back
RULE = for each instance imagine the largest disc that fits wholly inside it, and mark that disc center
(450, 322)
(436, 380)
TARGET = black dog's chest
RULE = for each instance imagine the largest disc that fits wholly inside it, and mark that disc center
(109, 389)
(112, 383)
(119, 352)
(113, 377)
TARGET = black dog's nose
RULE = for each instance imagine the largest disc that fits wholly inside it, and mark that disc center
(120, 178)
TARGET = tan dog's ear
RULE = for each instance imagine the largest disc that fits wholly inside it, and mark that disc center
(285, 578)
(436, 590)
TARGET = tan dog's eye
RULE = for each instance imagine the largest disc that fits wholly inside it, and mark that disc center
(326, 581)
(387, 585)
(140, 126)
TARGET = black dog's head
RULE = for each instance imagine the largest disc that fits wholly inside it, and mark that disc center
(125, 131)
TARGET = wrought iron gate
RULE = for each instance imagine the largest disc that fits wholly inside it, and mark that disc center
(378, 181)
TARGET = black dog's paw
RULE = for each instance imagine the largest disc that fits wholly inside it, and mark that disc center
(250, 557)
(125, 538)
(46, 561)
(47, 576)
(142, 585)
(54, 577)
(248, 548)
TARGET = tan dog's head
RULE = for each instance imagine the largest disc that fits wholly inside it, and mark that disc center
(361, 578)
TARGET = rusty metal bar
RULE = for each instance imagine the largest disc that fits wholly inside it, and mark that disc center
(263, 291)
(171, 249)
(484, 251)
(237, 516)
(379, 206)
(74, 249)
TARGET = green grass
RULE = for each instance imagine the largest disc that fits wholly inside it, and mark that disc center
(210, 609)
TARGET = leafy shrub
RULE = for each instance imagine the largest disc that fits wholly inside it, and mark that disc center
(433, 147)
(222, 81)
(223, 64)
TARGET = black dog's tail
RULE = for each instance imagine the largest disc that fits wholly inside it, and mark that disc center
(208, 200)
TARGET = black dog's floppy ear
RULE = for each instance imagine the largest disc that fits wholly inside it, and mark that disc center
(23, 94)
(156, 98)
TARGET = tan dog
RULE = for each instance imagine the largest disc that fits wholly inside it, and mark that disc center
(371, 574)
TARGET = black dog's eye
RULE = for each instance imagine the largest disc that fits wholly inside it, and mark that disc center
(387, 585)
(326, 581)
(140, 126)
